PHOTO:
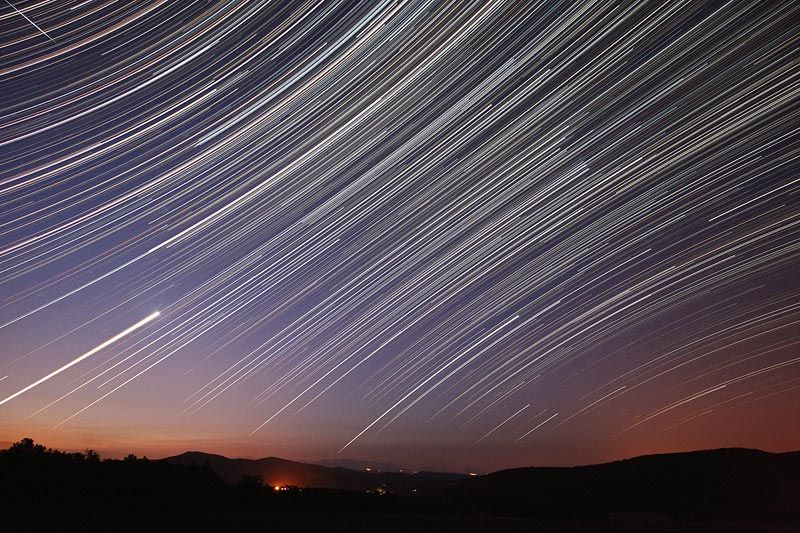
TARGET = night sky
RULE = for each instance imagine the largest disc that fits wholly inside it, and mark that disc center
(464, 236)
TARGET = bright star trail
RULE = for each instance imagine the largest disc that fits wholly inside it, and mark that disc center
(491, 234)
(88, 354)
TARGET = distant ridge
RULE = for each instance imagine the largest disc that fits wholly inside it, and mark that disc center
(718, 483)
(706, 483)
(358, 464)
(281, 472)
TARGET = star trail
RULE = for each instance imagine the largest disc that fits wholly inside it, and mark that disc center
(562, 231)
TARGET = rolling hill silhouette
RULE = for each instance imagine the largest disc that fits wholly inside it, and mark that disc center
(722, 483)
(728, 482)
(281, 472)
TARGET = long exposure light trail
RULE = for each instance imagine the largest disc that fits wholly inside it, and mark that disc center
(388, 225)
(88, 354)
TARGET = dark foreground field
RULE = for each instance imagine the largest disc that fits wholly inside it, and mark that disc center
(122, 520)
(89, 520)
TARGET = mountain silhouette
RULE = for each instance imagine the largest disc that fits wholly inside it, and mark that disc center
(728, 482)
(281, 472)
(721, 483)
